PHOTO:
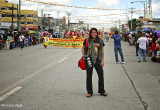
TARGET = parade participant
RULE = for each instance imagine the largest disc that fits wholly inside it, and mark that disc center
(94, 56)
(44, 37)
(142, 47)
(117, 47)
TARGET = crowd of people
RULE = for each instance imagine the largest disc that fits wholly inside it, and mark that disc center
(12, 40)
(146, 43)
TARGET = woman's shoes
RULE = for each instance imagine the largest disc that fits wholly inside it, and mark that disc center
(88, 95)
(104, 94)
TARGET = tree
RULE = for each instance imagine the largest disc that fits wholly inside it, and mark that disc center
(134, 24)
(113, 29)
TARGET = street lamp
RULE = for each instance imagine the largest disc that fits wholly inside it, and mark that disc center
(143, 2)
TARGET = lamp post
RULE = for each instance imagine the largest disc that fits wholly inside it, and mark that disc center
(143, 2)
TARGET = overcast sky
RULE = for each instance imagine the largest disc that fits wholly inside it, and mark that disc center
(99, 21)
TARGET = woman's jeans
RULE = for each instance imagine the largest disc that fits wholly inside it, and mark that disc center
(116, 49)
(100, 73)
(140, 54)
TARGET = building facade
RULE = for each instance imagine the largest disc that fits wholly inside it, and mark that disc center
(29, 18)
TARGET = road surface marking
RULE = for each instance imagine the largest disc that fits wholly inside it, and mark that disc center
(62, 59)
(9, 93)
(78, 50)
(32, 74)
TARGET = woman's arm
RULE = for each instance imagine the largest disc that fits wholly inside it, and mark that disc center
(83, 50)
(102, 63)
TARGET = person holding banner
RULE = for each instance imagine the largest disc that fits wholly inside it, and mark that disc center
(93, 53)
(45, 36)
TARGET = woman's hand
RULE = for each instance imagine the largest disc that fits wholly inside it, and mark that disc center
(102, 63)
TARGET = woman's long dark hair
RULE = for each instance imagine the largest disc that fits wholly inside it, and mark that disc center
(90, 37)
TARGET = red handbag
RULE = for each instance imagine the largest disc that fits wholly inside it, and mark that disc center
(81, 62)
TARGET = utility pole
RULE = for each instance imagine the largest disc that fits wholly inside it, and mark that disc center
(69, 14)
(131, 16)
(49, 21)
(150, 6)
(57, 23)
(17, 18)
(143, 2)
(12, 18)
(43, 22)
(119, 25)
(146, 6)
(19, 15)
(42, 17)
(144, 10)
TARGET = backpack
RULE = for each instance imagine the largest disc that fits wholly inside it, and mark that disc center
(81, 62)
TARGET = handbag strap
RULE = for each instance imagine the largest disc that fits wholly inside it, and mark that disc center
(86, 46)
(87, 42)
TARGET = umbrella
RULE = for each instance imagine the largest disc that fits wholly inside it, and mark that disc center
(158, 32)
(126, 32)
(1, 31)
(14, 32)
(145, 29)
(32, 32)
(134, 31)
(46, 32)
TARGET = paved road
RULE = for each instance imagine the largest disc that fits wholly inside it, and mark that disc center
(49, 79)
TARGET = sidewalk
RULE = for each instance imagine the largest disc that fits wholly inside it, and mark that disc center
(145, 77)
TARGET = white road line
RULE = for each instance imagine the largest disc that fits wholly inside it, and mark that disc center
(78, 50)
(33, 74)
(62, 59)
(9, 93)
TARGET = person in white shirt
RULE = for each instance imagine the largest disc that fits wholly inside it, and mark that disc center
(142, 47)
(21, 37)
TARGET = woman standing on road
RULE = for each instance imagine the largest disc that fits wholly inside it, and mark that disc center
(94, 53)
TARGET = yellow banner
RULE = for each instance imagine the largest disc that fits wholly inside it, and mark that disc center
(69, 43)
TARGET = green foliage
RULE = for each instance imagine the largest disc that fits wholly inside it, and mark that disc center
(114, 28)
(71, 30)
(134, 24)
